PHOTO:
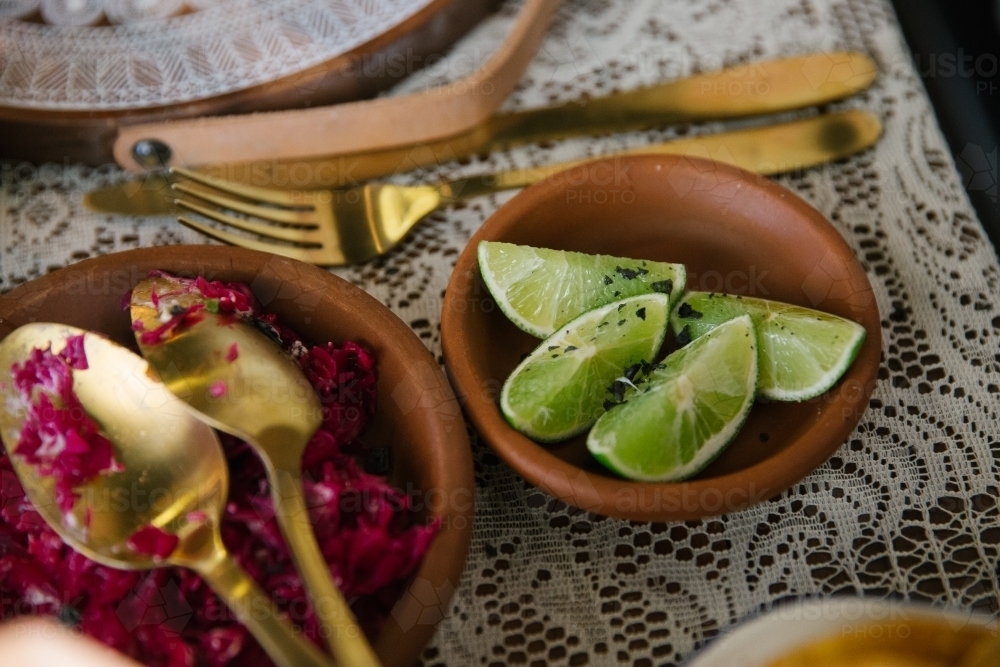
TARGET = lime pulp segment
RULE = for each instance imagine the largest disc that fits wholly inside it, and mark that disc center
(560, 388)
(540, 289)
(685, 412)
(803, 352)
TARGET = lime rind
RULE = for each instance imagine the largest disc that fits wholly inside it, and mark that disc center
(558, 390)
(678, 420)
(540, 289)
(826, 381)
(803, 352)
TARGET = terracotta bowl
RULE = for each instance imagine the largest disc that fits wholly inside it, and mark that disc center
(737, 233)
(417, 416)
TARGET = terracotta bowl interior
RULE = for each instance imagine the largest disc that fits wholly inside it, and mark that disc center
(736, 233)
(430, 448)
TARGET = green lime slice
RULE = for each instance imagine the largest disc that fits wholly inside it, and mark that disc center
(560, 388)
(540, 290)
(685, 412)
(803, 352)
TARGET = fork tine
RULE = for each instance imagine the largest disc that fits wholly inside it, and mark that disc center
(268, 230)
(283, 215)
(301, 254)
(291, 198)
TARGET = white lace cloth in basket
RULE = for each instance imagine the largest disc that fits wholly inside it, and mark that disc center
(908, 507)
(224, 46)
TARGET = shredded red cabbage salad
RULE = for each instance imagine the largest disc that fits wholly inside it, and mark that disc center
(183, 318)
(57, 435)
(153, 541)
(168, 617)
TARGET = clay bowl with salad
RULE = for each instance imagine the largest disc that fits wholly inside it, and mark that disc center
(661, 338)
(388, 475)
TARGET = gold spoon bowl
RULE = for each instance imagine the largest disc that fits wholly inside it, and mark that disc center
(172, 461)
(240, 382)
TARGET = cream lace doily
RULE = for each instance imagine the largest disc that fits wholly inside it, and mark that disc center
(908, 507)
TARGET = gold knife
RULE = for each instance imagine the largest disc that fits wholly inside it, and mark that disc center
(766, 150)
(754, 89)
(767, 87)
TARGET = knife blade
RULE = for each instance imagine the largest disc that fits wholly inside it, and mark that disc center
(754, 89)
(767, 150)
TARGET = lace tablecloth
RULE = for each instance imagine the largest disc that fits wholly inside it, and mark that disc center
(908, 507)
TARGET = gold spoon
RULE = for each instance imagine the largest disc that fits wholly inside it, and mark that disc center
(239, 381)
(171, 460)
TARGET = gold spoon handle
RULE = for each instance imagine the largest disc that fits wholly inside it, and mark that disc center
(286, 646)
(767, 150)
(346, 641)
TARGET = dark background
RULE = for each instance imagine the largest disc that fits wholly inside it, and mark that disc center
(956, 48)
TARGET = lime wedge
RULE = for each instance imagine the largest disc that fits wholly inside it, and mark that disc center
(803, 352)
(560, 388)
(540, 290)
(685, 412)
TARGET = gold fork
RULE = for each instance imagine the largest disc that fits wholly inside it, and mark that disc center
(334, 227)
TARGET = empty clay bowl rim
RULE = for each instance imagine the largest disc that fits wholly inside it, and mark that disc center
(593, 492)
(450, 471)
